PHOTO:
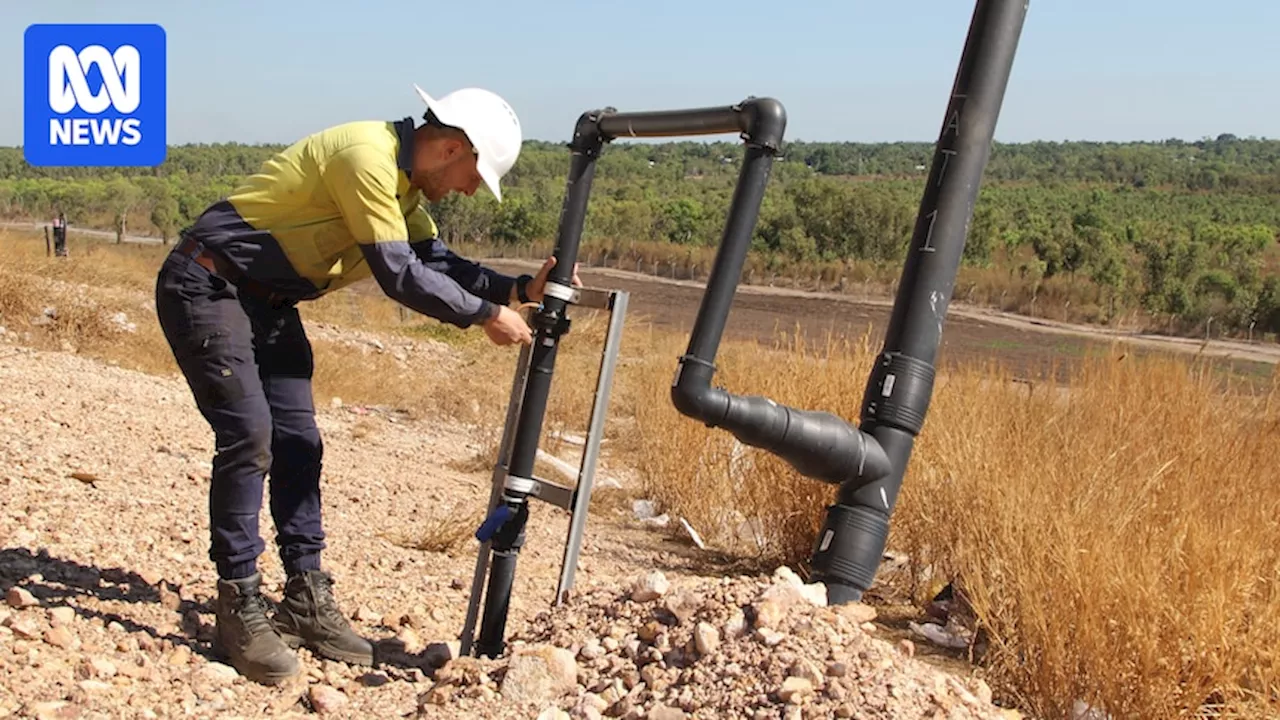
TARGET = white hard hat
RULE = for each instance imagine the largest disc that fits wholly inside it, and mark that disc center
(490, 124)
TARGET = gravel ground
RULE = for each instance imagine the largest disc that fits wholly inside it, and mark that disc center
(108, 590)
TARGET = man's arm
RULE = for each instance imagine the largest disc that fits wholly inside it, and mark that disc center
(363, 184)
(477, 279)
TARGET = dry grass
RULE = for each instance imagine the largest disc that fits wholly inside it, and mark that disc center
(442, 532)
(1117, 538)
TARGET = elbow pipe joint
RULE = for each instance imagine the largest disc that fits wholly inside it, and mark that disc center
(588, 139)
(764, 122)
(693, 395)
(816, 444)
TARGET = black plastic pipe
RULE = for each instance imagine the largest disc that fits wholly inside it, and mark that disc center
(761, 122)
(550, 323)
(817, 444)
(850, 546)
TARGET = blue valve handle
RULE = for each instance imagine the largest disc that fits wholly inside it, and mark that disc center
(491, 524)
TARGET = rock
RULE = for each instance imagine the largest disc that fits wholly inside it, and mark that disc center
(769, 637)
(663, 712)
(553, 713)
(94, 687)
(706, 639)
(326, 699)
(857, 613)
(54, 710)
(409, 637)
(60, 637)
(683, 605)
(907, 647)
(169, 599)
(650, 587)
(982, 690)
(62, 615)
(181, 656)
(769, 613)
(219, 674)
(794, 689)
(18, 597)
(592, 702)
(97, 667)
(736, 625)
(25, 629)
(364, 614)
(807, 670)
(539, 674)
(788, 586)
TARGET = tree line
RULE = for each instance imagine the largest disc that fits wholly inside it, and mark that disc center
(1182, 233)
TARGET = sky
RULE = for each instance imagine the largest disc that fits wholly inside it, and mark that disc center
(275, 70)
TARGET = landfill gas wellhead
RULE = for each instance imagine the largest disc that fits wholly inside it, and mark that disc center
(866, 462)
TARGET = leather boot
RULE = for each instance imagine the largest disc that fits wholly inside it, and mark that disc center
(244, 634)
(309, 616)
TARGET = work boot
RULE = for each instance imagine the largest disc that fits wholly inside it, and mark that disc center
(309, 616)
(244, 633)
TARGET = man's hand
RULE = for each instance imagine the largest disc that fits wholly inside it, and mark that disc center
(539, 281)
(508, 327)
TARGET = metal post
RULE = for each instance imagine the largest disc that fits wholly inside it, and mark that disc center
(591, 450)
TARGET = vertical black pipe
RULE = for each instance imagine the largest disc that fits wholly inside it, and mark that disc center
(849, 548)
(550, 322)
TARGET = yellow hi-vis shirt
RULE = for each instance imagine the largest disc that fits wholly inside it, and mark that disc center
(337, 207)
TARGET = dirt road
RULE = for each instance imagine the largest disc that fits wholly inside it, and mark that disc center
(1030, 347)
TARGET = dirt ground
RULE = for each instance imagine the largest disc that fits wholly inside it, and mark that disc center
(108, 592)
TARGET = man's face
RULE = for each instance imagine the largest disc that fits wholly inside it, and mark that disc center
(443, 165)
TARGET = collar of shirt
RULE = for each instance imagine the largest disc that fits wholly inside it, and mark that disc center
(404, 129)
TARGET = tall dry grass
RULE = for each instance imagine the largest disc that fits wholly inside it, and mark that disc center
(1118, 537)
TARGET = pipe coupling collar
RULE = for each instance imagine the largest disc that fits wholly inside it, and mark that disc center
(559, 292)
(522, 485)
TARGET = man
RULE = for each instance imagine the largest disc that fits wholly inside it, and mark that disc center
(336, 207)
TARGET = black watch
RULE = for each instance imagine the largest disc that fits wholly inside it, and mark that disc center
(522, 284)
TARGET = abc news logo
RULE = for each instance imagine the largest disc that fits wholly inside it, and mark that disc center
(69, 89)
(95, 95)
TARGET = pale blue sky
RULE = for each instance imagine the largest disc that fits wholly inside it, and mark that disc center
(271, 70)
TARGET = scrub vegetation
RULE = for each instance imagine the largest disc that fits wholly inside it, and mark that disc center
(1173, 236)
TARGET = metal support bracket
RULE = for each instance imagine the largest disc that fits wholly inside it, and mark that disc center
(575, 499)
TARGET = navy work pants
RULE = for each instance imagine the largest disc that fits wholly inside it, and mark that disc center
(249, 367)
